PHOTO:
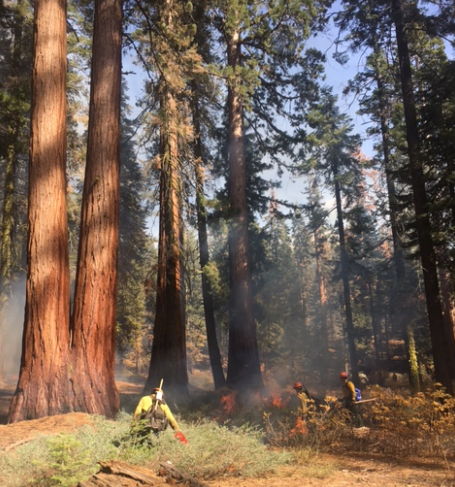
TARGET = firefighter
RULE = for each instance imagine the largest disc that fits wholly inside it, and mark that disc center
(304, 397)
(349, 399)
(155, 415)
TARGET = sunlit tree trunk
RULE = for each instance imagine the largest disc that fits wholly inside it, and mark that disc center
(413, 363)
(168, 361)
(43, 387)
(243, 366)
(93, 325)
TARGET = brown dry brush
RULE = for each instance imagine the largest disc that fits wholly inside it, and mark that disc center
(396, 423)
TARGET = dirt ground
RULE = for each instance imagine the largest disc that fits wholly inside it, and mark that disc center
(324, 470)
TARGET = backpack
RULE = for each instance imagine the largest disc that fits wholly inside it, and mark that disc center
(155, 417)
(358, 394)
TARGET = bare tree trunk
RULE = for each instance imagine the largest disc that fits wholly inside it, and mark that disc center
(6, 257)
(398, 292)
(443, 342)
(345, 278)
(323, 304)
(214, 349)
(243, 366)
(93, 324)
(168, 360)
(43, 386)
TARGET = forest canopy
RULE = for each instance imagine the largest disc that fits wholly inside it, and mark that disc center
(145, 149)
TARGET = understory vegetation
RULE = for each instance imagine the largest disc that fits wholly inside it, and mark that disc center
(230, 437)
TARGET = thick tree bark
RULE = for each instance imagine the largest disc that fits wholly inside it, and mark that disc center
(93, 324)
(168, 360)
(42, 388)
(443, 342)
(243, 366)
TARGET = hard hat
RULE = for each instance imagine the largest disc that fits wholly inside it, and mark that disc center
(343, 375)
(297, 385)
(158, 393)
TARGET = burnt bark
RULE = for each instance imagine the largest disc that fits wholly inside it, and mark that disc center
(93, 325)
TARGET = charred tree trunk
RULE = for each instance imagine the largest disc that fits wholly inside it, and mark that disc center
(443, 342)
(43, 387)
(243, 366)
(93, 325)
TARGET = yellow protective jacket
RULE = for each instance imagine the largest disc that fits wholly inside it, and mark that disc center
(144, 405)
(348, 391)
(305, 402)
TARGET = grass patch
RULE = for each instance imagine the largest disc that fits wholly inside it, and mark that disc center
(66, 459)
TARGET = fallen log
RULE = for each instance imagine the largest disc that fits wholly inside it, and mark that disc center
(120, 474)
(175, 476)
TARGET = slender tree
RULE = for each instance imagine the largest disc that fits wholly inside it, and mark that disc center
(15, 107)
(332, 146)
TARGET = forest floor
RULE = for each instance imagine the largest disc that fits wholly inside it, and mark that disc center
(324, 470)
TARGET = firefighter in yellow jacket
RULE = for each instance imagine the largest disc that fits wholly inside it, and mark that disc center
(349, 399)
(155, 415)
(304, 397)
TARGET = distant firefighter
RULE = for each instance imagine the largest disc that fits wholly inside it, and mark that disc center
(306, 401)
(349, 399)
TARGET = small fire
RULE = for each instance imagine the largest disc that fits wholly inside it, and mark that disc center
(229, 402)
(300, 428)
(276, 400)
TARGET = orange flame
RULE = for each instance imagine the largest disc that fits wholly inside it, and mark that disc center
(229, 403)
(300, 428)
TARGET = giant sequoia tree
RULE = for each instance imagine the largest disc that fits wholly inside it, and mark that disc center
(168, 360)
(43, 387)
(52, 378)
(94, 317)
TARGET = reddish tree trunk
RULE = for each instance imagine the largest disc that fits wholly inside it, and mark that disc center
(42, 388)
(93, 324)
(243, 366)
(168, 360)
